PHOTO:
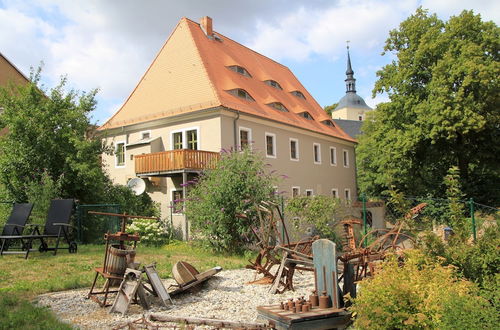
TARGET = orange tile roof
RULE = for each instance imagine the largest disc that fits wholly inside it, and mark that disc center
(217, 54)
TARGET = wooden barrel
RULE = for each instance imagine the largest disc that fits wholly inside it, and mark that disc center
(116, 263)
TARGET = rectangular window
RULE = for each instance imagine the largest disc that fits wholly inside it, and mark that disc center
(178, 144)
(271, 145)
(294, 149)
(317, 153)
(347, 194)
(120, 154)
(335, 193)
(177, 201)
(346, 158)
(192, 139)
(145, 135)
(245, 137)
(309, 192)
(295, 191)
(333, 156)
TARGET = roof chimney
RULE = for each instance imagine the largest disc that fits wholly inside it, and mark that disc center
(206, 26)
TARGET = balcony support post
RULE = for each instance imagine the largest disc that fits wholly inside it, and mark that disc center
(184, 196)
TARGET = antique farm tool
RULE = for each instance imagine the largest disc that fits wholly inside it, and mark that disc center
(130, 289)
(293, 255)
(117, 257)
(359, 261)
(188, 277)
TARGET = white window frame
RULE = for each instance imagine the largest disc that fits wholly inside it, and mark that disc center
(311, 191)
(184, 137)
(296, 149)
(345, 157)
(319, 153)
(172, 200)
(333, 162)
(274, 155)
(298, 190)
(249, 131)
(335, 192)
(145, 132)
(347, 194)
(124, 154)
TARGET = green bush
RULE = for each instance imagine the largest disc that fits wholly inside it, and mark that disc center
(421, 294)
(236, 185)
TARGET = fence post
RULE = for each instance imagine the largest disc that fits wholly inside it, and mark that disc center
(473, 219)
(363, 198)
(283, 223)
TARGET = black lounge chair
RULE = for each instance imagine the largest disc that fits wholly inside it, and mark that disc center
(56, 226)
(15, 224)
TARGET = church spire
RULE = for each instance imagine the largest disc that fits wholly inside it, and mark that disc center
(350, 82)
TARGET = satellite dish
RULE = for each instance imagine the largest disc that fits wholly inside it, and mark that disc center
(137, 185)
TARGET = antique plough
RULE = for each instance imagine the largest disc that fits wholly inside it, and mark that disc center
(287, 255)
(361, 260)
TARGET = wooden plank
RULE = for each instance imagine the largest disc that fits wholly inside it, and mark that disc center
(157, 284)
(325, 265)
(277, 279)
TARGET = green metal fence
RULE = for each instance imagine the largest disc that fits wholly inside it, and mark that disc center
(92, 227)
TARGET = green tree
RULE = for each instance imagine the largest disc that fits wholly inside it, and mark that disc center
(329, 108)
(443, 88)
(48, 133)
(235, 186)
(50, 150)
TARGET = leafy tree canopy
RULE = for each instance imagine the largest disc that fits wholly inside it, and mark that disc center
(443, 110)
(329, 108)
(50, 150)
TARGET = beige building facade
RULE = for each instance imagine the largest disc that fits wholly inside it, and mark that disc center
(205, 92)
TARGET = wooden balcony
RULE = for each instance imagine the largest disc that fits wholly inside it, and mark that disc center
(169, 162)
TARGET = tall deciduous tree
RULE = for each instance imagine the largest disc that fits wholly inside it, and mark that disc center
(48, 134)
(443, 87)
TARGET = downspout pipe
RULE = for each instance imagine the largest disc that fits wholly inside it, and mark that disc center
(235, 130)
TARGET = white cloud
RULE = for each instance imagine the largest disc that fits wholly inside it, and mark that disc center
(489, 10)
(324, 32)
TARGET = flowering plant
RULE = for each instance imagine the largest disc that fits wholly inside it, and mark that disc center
(151, 232)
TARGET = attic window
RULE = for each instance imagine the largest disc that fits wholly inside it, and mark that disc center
(273, 83)
(298, 94)
(239, 69)
(278, 106)
(328, 123)
(241, 93)
(306, 115)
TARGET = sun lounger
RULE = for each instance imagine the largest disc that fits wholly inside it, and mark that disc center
(15, 224)
(56, 227)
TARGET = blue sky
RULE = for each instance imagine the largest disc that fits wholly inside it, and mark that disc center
(108, 44)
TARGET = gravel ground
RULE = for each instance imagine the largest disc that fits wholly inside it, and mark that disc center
(228, 295)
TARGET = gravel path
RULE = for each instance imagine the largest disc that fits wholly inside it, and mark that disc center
(225, 296)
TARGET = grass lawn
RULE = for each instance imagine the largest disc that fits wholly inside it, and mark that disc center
(22, 280)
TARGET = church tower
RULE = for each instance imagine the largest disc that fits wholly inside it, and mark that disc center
(351, 106)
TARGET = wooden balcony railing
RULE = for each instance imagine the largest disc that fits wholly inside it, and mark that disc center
(175, 160)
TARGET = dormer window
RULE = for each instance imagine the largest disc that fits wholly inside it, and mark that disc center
(239, 69)
(273, 83)
(241, 93)
(278, 106)
(306, 115)
(298, 94)
(328, 123)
